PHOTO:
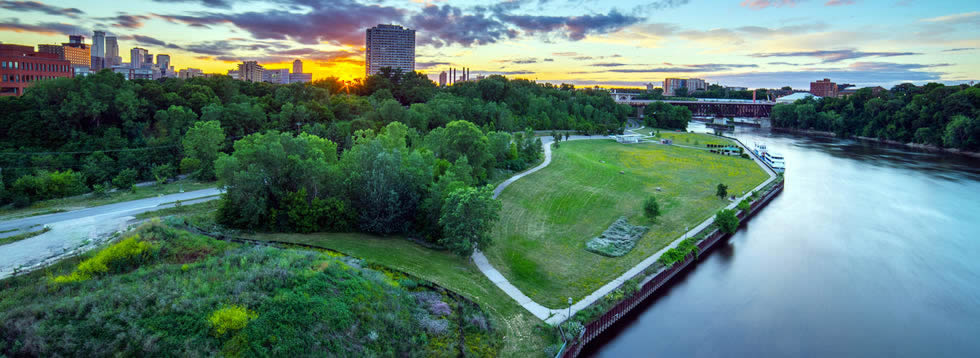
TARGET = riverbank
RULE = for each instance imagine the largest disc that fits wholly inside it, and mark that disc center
(919, 146)
(653, 282)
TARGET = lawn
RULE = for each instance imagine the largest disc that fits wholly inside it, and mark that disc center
(88, 200)
(548, 216)
(521, 338)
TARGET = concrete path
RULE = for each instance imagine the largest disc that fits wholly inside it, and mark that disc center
(79, 230)
(555, 316)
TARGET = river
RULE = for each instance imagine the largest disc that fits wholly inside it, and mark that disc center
(870, 251)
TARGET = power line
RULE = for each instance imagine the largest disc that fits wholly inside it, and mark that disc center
(91, 151)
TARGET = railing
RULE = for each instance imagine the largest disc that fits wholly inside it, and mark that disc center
(595, 328)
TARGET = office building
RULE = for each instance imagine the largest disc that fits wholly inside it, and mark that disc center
(389, 46)
(77, 52)
(277, 76)
(21, 66)
(297, 66)
(189, 73)
(76, 40)
(58, 50)
(300, 77)
(691, 84)
(442, 78)
(823, 88)
(250, 71)
(137, 56)
(98, 51)
(163, 61)
(136, 73)
(112, 52)
(148, 60)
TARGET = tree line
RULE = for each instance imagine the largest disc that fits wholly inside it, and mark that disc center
(67, 136)
(933, 114)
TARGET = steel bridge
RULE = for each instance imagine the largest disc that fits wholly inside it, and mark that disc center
(706, 107)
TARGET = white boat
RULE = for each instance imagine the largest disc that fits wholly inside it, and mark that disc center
(774, 160)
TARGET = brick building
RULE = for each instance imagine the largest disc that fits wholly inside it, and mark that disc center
(823, 88)
(20, 66)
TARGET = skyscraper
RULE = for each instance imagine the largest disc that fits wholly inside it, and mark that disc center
(390, 46)
(98, 51)
(297, 66)
(250, 71)
(137, 56)
(163, 61)
(442, 79)
(112, 52)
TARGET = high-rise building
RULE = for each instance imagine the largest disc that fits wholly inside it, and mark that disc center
(98, 51)
(76, 40)
(389, 46)
(58, 50)
(442, 78)
(250, 71)
(691, 84)
(21, 66)
(163, 61)
(823, 88)
(278, 76)
(148, 60)
(112, 52)
(297, 66)
(137, 57)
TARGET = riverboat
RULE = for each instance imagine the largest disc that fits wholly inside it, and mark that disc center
(773, 160)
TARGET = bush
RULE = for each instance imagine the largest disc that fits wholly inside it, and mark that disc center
(120, 256)
(230, 318)
(48, 185)
(125, 179)
(727, 221)
(651, 209)
(572, 330)
(161, 173)
(745, 205)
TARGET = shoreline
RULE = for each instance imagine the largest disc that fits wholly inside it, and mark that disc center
(919, 146)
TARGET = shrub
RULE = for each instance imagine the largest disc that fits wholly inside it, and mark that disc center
(727, 221)
(745, 205)
(125, 179)
(572, 330)
(651, 209)
(440, 308)
(230, 318)
(162, 172)
(122, 255)
(49, 185)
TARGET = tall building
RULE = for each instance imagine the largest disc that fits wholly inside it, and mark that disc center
(163, 61)
(297, 66)
(58, 50)
(250, 71)
(389, 46)
(98, 51)
(148, 60)
(76, 40)
(823, 88)
(188, 73)
(691, 84)
(137, 57)
(278, 76)
(442, 79)
(112, 52)
(21, 66)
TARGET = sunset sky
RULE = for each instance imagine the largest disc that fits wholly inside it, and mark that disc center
(750, 43)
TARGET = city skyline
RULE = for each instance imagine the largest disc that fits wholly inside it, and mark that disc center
(757, 43)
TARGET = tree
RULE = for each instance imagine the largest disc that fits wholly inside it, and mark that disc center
(125, 179)
(556, 136)
(727, 221)
(201, 144)
(651, 209)
(681, 92)
(722, 191)
(468, 215)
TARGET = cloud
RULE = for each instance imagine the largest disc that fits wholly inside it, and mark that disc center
(609, 64)
(150, 41)
(859, 73)
(46, 28)
(960, 49)
(564, 54)
(549, 60)
(126, 20)
(762, 4)
(696, 68)
(572, 27)
(447, 25)
(337, 22)
(39, 7)
(429, 65)
(519, 61)
(964, 18)
(207, 3)
(833, 55)
(512, 72)
(838, 2)
(661, 4)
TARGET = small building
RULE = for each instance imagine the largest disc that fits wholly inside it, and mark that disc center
(628, 138)
(795, 97)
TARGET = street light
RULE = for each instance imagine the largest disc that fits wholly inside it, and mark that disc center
(569, 308)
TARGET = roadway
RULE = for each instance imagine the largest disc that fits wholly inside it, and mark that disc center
(79, 230)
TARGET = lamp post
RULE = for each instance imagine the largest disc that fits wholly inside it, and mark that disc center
(569, 308)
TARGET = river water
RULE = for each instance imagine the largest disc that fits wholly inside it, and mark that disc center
(870, 251)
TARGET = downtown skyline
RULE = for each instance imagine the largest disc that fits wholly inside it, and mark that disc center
(752, 43)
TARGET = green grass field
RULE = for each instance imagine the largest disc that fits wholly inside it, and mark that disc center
(700, 140)
(548, 216)
(521, 337)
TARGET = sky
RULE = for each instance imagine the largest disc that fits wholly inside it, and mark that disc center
(743, 43)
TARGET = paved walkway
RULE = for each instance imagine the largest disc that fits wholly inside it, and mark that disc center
(79, 230)
(559, 315)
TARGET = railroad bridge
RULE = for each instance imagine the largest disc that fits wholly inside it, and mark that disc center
(705, 107)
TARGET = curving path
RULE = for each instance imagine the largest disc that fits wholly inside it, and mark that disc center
(556, 316)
